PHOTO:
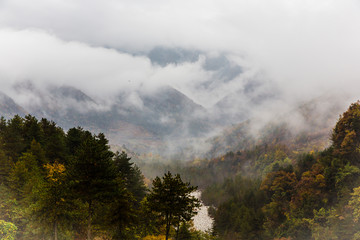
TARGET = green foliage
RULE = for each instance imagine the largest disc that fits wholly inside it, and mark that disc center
(92, 175)
(239, 208)
(354, 203)
(314, 197)
(55, 185)
(52, 205)
(13, 137)
(5, 168)
(7, 230)
(131, 175)
(71, 185)
(54, 141)
(170, 198)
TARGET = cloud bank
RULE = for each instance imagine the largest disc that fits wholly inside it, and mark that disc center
(296, 49)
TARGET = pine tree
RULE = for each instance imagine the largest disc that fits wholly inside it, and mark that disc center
(170, 197)
(131, 175)
(93, 175)
(13, 136)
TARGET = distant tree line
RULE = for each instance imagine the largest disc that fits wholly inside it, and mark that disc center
(314, 195)
(70, 185)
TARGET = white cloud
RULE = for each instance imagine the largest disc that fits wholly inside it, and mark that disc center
(305, 47)
(45, 60)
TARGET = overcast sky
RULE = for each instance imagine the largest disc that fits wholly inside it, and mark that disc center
(303, 47)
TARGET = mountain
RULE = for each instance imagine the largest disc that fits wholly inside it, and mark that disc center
(8, 107)
(306, 127)
(239, 105)
(140, 119)
(166, 121)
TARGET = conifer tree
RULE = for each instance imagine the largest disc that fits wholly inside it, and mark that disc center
(93, 175)
(170, 197)
(131, 175)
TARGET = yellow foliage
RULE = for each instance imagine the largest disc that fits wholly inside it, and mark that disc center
(160, 237)
(55, 171)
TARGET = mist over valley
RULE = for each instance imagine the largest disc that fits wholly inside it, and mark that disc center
(119, 119)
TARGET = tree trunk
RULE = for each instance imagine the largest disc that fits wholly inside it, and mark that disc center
(167, 231)
(89, 222)
(177, 229)
(55, 230)
(167, 227)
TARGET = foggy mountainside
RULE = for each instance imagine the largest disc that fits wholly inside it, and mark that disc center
(148, 120)
(119, 119)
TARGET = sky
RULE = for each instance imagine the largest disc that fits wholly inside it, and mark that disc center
(299, 49)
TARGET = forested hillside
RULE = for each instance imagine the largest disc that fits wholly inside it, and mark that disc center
(273, 192)
(283, 186)
(70, 185)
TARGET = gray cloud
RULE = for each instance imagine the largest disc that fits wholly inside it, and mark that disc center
(46, 60)
(209, 50)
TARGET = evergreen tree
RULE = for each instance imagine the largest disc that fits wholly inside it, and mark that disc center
(170, 197)
(13, 136)
(5, 168)
(131, 175)
(74, 139)
(32, 130)
(54, 141)
(93, 175)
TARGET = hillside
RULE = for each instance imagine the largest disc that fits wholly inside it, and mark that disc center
(304, 128)
(141, 120)
(8, 107)
(286, 188)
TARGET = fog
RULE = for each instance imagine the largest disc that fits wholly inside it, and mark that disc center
(237, 59)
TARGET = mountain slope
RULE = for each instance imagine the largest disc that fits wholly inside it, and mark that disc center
(138, 118)
(8, 107)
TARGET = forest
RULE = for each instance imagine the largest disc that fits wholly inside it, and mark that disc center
(70, 185)
(274, 192)
(281, 188)
(57, 185)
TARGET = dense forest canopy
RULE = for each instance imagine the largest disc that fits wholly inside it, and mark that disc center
(70, 185)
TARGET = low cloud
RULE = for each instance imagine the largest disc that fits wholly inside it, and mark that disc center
(238, 59)
(45, 60)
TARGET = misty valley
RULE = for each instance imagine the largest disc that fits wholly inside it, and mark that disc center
(179, 120)
(188, 177)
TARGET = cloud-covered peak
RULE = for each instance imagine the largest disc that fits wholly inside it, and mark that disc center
(260, 57)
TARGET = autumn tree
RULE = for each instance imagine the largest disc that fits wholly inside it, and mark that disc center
(52, 204)
(279, 187)
(346, 135)
(309, 192)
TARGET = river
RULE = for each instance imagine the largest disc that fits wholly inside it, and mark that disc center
(202, 221)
